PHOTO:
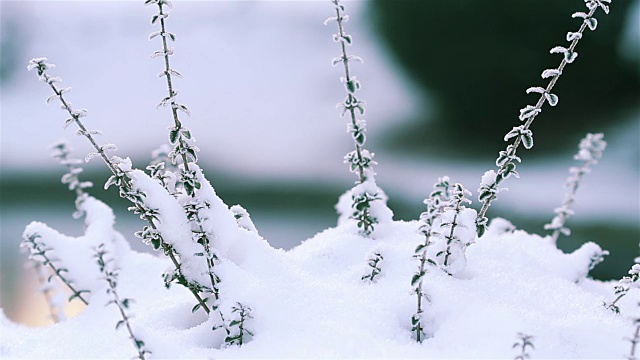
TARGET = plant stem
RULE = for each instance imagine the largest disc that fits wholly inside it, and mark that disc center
(352, 109)
(115, 170)
(541, 101)
(31, 239)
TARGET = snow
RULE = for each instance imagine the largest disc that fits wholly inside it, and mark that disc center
(311, 301)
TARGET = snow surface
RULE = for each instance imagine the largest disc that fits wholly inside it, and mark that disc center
(310, 302)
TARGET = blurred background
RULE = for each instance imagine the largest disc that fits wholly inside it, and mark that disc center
(443, 81)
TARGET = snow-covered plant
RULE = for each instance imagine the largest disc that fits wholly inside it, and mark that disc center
(456, 229)
(239, 325)
(61, 153)
(523, 342)
(436, 202)
(111, 277)
(590, 150)
(507, 159)
(373, 263)
(38, 252)
(52, 294)
(184, 155)
(624, 286)
(124, 178)
(360, 160)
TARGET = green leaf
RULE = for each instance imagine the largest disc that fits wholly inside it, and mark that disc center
(173, 135)
(527, 139)
(155, 242)
(416, 278)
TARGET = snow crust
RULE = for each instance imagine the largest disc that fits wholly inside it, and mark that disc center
(311, 301)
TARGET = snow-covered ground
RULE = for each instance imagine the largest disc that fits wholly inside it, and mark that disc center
(311, 302)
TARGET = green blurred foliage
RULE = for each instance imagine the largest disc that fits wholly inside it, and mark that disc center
(476, 59)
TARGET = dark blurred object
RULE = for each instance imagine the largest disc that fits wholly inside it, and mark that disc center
(476, 58)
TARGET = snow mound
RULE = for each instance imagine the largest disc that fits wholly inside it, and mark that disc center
(312, 302)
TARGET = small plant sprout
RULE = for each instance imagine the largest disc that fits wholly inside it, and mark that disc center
(436, 203)
(374, 264)
(455, 224)
(523, 342)
(507, 159)
(111, 277)
(590, 150)
(239, 325)
(121, 177)
(360, 160)
(38, 253)
(624, 286)
(61, 153)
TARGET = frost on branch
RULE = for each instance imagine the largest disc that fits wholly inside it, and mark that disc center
(590, 151)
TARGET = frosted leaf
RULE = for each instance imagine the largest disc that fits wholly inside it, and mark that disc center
(182, 108)
(574, 36)
(52, 97)
(551, 73)
(81, 132)
(355, 58)
(90, 156)
(513, 133)
(537, 89)
(79, 113)
(551, 98)
(336, 37)
(95, 132)
(527, 139)
(489, 178)
(352, 85)
(592, 23)
(166, 101)
(169, 35)
(559, 50)
(332, 18)
(154, 34)
(117, 160)
(592, 4)
(157, 17)
(528, 111)
(580, 14)
(159, 53)
(108, 147)
(336, 61)
(68, 122)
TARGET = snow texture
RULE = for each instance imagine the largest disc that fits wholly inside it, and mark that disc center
(311, 302)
